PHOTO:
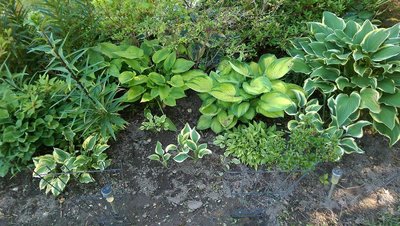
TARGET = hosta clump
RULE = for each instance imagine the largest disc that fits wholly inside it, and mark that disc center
(55, 170)
(157, 123)
(151, 72)
(254, 144)
(188, 147)
(240, 91)
(357, 66)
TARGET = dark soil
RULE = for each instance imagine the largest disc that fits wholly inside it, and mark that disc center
(204, 192)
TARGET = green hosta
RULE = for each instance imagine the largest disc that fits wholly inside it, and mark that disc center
(157, 123)
(241, 90)
(358, 67)
(56, 169)
(188, 147)
(152, 73)
(341, 138)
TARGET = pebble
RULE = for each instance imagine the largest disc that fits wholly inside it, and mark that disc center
(15, 189)
(45, 214)
(194, 205)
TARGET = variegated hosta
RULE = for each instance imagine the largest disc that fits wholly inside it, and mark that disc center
(357, 66)
(342, 135)
(242, 90)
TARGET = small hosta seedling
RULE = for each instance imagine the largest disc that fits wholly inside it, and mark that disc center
(188, 147)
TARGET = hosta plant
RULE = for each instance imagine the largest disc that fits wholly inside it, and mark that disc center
(152, 72)
(242, 90)
(356, 66)
(157, 123)
(188, 147)
(55, 170)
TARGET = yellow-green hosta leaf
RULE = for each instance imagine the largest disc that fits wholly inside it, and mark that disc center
(176, 81)
(386, 52)
(240, 109)
(271, 114)
(60, 155)
(356, 129)
(210, 110)
(157, 78)
(160, 55)
(346, 106)
(225, 119)
(216, 127)
(4, 114)
(200, 84)
(369, 99)
(332, 21)
(225, 92)
(132, 52)
(126, 76)
(85, 178)
(189, 75)
(255, 69)
(265, 60)
(182, 65)
(164, 92)
(374, 39)
(279, 86)
(278, 68)
(204, 122)
(274, 101)
(137, 80)
(170, 61)
(134, 94)
(258, 86)
(240, 67)
(393, 134)
(387, 116)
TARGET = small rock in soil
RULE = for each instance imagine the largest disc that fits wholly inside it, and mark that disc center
(194, 205)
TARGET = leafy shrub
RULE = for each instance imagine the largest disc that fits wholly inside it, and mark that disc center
(242, 90)
(188, 147)
(213, 28)
(55, 169)
(157, 123)
(358, 67)
(153, 73)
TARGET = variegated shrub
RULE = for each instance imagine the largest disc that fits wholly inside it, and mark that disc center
(357, 67)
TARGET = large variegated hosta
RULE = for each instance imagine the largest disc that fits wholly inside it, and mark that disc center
(242, 90)
(357, 66)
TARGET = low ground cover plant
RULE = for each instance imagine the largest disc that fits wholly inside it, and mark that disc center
(357, 67)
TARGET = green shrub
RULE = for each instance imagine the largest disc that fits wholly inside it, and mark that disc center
(241, 90)
(357, 66)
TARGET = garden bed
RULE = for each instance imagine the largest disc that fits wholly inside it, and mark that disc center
(204, 193)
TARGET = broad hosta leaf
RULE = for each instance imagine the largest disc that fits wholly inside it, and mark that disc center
(210, 110)
(351, 28)
(134, 94)
(159, 151)
(126, 76)
(216, 127)
(225, 92)
(157, 78)
(85, 178)
(278, 68)
(182, 65)
(240, 67)
(386, 52)
(170, 61)
(4, 114)
(374, 39)
(132, 52)
(257, 86)
(240, 109)
(300, 66)
(350, 146)
(204, 122)
(366, 27)
(274, 101)
(345, 106)
(326, 73)
(224, 119)
(343, 82)
(393, 134)
(181, 157)
(201, 84)
(364, 82)
(266, 60)
(356, 129)
(387, 116)
(391, 99)
(160, 55)
(176, 81)
(60, 155)
(332, 21)
(89, 143)
(369, 99)
(270, 114)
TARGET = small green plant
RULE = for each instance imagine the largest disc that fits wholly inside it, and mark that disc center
(188, 147)
(356, 67)
(240, 91)
(324, 179)
(157, 123)
(55, 169)
(254, 144)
